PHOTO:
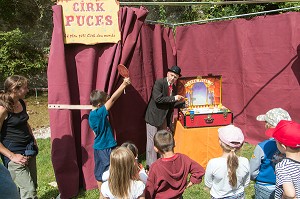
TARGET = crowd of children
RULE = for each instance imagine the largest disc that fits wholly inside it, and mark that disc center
(274, 166)
(225, 176)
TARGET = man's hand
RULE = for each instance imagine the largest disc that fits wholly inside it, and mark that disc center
(179, 98)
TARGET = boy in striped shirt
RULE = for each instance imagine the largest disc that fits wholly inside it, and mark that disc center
(287, 136)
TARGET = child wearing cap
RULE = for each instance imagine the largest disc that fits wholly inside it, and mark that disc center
(228, 175)
(266, 155)
(287, 136)
(169, 175)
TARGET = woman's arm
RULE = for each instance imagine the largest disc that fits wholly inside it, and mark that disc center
(17, 158)
(3, 149)
(3, 115)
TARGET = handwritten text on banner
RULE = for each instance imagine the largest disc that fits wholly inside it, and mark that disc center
(90, 21)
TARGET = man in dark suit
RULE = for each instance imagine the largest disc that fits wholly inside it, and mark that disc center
(160, 108)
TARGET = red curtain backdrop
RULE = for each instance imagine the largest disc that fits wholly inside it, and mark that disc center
(153, 54)
(258, 60)
(75, 70)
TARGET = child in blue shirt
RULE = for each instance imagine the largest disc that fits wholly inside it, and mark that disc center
(266, 155)
(99, 123)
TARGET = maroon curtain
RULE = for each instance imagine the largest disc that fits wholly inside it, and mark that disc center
(258, 60)
(154, 52)
(73, 72)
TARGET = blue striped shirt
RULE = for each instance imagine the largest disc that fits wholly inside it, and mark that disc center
(287, 171)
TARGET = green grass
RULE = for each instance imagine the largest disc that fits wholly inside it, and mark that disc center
(45, 171)
(38, 111)
(46, 175)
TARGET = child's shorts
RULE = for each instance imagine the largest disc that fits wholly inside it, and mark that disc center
(102, 158)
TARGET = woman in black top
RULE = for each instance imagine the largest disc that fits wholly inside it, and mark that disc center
(18, 147)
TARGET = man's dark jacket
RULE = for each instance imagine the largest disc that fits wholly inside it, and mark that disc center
(161, 105)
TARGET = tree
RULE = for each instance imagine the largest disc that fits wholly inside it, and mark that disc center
(180, 14)
(19, 56)
(25, 35)
(26, 28)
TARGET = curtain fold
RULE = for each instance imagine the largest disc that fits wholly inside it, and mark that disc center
(74, 70)
(150, 59)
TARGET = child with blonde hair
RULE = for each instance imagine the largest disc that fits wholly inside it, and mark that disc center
(141, 171)
(228, 175)
(123, 180)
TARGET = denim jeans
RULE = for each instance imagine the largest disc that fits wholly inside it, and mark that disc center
(264, 192)
(8, 189)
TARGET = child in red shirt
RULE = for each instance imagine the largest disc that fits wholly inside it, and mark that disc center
(168, 176)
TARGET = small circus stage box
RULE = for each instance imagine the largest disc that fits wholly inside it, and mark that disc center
(203, 102)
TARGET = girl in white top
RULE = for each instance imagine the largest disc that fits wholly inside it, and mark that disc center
(143, 176)
(228, 175)
(123, 177)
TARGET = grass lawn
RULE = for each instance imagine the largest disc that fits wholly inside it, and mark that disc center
(38, 112)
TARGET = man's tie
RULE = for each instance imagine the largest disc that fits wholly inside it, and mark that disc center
(170, 89)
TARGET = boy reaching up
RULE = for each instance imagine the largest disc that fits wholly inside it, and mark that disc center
(169, 174)
(98, 120)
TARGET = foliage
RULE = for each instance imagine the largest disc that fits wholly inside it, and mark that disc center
(31, 16)
(25, 34)
(217, 11)
(26, 27)
(18, 55)
(181, 14)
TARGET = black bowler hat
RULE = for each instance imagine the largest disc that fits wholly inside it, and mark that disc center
(175, 69)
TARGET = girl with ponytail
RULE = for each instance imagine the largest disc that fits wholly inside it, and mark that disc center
(228, 175)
